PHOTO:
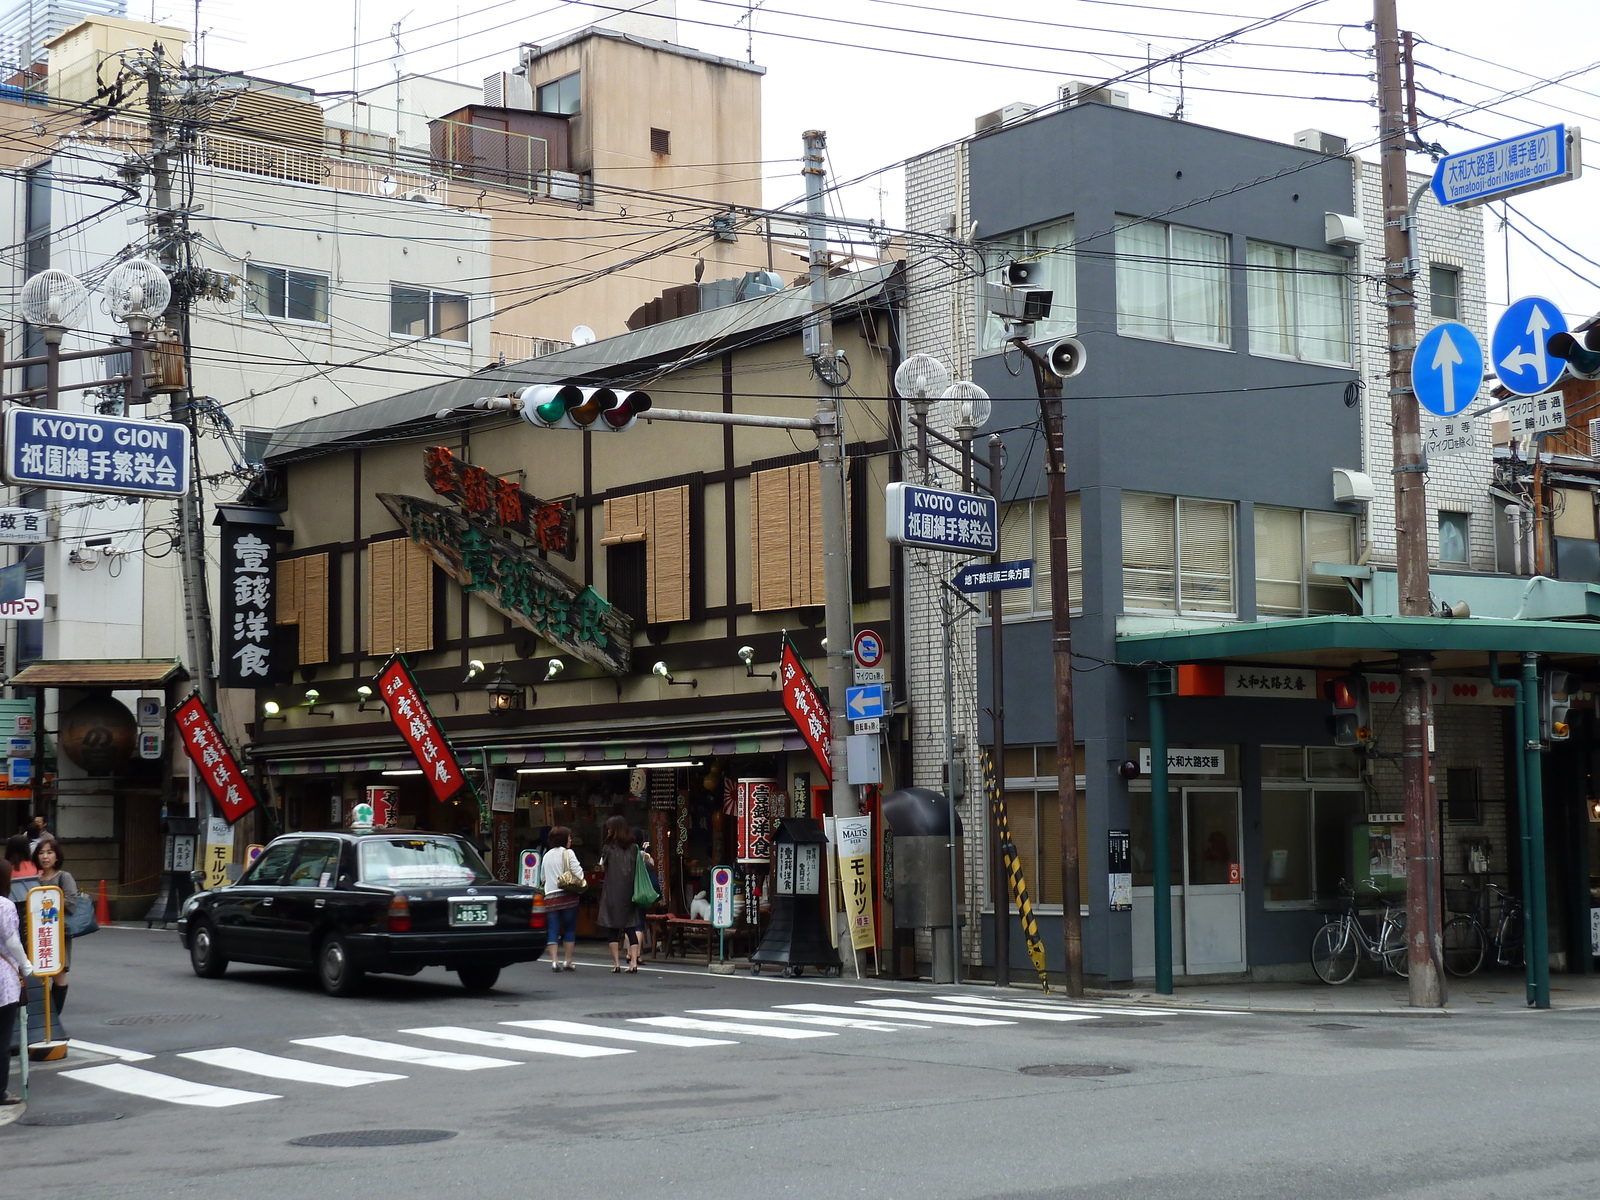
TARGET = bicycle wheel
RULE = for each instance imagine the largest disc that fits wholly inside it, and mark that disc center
(1509, 948)
(1464, 945)
(1334, 953)
(1392, 949)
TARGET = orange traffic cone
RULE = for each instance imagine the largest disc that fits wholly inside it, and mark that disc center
(102, 907)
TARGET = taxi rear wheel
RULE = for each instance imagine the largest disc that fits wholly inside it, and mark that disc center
(205, 955)
(478, 979)
(337, 974)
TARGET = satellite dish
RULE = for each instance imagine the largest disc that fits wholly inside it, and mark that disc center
(387, 185)
(582, 335)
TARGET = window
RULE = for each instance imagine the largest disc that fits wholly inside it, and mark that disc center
(317, 866)
(303, 601)
(1025, 533)
(1033, 811)
(1177, 555)
(647, 555)
(660, 141)
(399, 598)
(1464, 795)
(421, 862)
(1048, 249)
(785, 538)
(420, 313)
(1308, 834)
(1172, 283)
(1454, 541)
(267, 871)
(1289, 543)
(1299, 304)
(1444, 292)
(559, 95)
(286, 295)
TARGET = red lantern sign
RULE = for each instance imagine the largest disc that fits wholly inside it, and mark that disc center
(202, 742)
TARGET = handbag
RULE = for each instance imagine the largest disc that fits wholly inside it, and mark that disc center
(80, 921)
(644, 893)
(570, 881)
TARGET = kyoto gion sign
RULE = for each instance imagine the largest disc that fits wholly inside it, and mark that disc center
(416, 723)
(941, 520)
(550, 525)
(249, 605)
(213, 761)
(517, 583)
(81, 452)
(803, 703)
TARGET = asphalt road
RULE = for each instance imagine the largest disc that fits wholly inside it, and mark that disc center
(891, 1097)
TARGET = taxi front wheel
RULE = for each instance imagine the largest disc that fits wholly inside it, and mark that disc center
(205, 955)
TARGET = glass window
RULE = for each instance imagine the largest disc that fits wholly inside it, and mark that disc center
(1142, 837)
(408, 312)
(1453, 537)
(1308, 834)
(1299, 303)
(317, 866)
(420, 313)
(1149, 552)
(1025, 533)
(421, 862)
(1172, 282)
(268, 870)
(1048, 249)
(560, 95)
(1286, 844)
(1289, 544)
(449, 317)
(1177, 554)
(285, 294)
(1444, 293)
(1282, 762)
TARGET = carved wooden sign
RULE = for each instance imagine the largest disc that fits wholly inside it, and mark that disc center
(549, 524)
(516, 582)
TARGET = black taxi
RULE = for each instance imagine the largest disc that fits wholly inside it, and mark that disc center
(385, 901)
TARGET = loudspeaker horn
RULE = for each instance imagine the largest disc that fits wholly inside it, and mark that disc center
(1067, 357)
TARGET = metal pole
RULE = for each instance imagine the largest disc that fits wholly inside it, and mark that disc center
(1160, 835)
(818, 344)
(947, 610)
(1535, 907)
(1519, 738)
(997, 864)
(1410, 512)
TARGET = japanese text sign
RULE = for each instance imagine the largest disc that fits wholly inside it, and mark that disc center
(805, 707)
(854, 838)
(81, 452)
(249, 605)
(753, 841)
(411, 715)
(1188, 762)
(46, 915)
(550, 524)
(1519, 164)
(1537, 414)
(22, 526)
(202, 742)
(941, 520)
(722, 897)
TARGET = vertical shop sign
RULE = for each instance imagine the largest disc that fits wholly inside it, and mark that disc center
(854, 836)
(412, 716)
(803, 703)
(219, 851)
(1119, 866)
(384, 801)
(249, 606)
(753, 839)
(213, 761)
(504, 860)
(722, 897)
(45, 944)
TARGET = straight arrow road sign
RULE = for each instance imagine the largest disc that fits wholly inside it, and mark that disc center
(1447, 369)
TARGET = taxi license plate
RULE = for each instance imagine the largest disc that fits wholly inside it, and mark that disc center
(472, 912)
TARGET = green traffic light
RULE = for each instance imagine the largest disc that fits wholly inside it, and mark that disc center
(550, 411)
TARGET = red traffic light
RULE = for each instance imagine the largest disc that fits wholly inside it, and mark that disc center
(1344, 694)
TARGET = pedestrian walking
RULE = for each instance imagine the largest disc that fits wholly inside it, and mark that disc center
(13, 965)
(48, 860)
(655, 882)
(19, 853)
(37, 832)
(618, 913)
(563, 884)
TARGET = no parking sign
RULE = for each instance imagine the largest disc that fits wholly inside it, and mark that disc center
(722, 897)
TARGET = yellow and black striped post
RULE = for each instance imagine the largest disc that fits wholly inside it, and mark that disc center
(1019, 885)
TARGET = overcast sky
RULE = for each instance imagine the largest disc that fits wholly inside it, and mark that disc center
(889, 78)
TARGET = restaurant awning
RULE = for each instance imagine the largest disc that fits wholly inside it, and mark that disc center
(123, 674)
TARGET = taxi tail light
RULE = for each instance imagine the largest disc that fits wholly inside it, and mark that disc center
(536, 912)
(400, 914)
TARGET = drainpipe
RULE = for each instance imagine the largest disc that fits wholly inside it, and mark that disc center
(1160, 685)
(1519, 737)
(1536, 908)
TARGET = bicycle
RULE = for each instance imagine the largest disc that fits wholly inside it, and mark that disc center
(1338, 947)
(1466, 943)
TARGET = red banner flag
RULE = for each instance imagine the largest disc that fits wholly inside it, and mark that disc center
(804, 705)
(202, 742)
(411, 715)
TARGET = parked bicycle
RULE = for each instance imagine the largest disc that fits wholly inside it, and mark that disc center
(1338, 947)
(1467, 943)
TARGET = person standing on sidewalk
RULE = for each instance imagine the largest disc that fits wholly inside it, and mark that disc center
(618, 913)
(561, 903)
(48, 859)
(13, 965)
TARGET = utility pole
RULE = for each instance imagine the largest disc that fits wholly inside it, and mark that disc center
(191, 532)
(818, 346)
(999, 885)
(1427, 989)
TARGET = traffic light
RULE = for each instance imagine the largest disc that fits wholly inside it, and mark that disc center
(1582, 358)
(1555, 699)
(1351, 720)
(568, 406)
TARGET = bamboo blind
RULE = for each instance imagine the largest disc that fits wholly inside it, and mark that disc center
(303, 601)
(399, 598)
(661, 521)
(786, 538)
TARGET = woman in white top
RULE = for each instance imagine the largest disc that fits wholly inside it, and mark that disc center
(13, 964)
(561, 904)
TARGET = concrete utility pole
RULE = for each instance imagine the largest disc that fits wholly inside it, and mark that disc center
(1410, 521)
(191, 532)
(999, 885)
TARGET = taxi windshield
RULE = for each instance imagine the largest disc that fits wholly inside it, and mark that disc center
(421, 862)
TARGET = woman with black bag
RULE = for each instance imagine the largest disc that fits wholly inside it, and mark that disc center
(618, 913)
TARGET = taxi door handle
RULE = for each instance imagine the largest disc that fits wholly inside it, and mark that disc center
(320, 903)
(266, 902)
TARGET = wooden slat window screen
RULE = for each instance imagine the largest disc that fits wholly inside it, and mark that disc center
(399, 598)
(786, 538)
(303, 601)
(660, 520)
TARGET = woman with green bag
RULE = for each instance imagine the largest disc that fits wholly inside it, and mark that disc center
(620, 914)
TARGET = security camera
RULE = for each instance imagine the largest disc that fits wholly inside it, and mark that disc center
(747, 655)
(1020, 304)
(1066, 357)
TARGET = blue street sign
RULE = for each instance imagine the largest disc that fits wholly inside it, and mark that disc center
(1517, 348)
(940, 520)
(864, 702)
(1447, 369)
(994, 577)
(81, 452)
(1519, 164)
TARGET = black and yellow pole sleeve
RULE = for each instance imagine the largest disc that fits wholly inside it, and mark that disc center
(1019, 885)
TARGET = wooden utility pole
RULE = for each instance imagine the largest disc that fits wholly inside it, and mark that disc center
(1410, 520)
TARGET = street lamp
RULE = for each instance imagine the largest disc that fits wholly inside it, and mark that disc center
(504, 695)
(137, 292)
(919, 379)
(972, 409)
(53, 301)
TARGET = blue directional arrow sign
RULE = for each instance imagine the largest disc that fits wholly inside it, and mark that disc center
(864, 702)
(1520, 164)
(1518, 347)
(1447, 369)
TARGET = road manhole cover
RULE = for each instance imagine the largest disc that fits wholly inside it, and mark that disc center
(1075, 1070)
(52, 1120)
(1124, 1024)
(161, 1018)
(623, 1016)
(1334, 1025)
(374, 1137)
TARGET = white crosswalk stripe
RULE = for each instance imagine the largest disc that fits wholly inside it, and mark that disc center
(730, 1027)
(296, 1070)
(752, 1014)
(493, 1039)
(110, 1051)
(1093, 1010)
(410, 1055)
(136, 1081)
(579, 1029)
(931, 1018)
(918, 1007)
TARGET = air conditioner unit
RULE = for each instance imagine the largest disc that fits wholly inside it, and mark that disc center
(566, 185)
(1076, 91)
(1003, 116)
(421, 194)
(1322, 143)
(1594, 437)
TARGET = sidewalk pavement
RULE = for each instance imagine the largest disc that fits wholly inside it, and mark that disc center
(1496, 992)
